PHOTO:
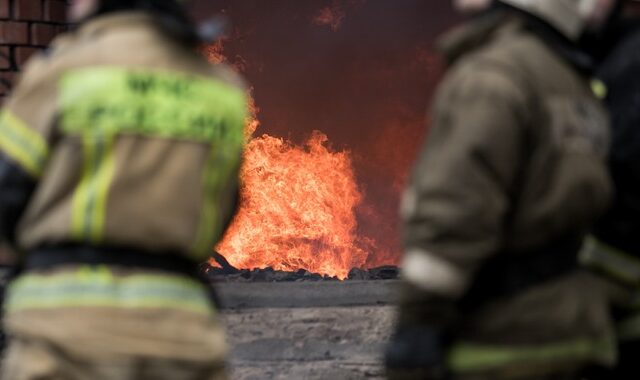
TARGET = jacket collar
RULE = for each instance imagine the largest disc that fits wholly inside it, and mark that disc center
(470, 36)
(100, 24)
(484, 28)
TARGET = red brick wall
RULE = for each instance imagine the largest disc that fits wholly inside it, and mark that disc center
(26, 26)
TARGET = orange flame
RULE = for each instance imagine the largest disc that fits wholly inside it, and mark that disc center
(214, 52)
(298, 209)
(298, 204)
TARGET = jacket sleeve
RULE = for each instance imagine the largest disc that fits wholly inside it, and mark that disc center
(456, 207)
(26, 131)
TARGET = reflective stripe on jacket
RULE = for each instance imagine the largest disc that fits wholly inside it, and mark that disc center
(101, 286)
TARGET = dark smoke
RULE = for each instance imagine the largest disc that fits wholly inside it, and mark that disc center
(364, 78)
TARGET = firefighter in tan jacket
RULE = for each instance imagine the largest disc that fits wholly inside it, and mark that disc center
(119, 155)
(511, 178)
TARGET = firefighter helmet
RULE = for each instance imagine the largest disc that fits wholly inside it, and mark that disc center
(570, 17)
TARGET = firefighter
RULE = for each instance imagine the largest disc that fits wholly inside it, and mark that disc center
(614, 249)
(119, 155)
(512, 177)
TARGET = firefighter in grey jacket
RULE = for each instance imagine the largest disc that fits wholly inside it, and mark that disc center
(513, 175)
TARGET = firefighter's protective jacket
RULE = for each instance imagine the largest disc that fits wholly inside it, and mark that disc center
(120, 137)
(512, 175)
(139, 150)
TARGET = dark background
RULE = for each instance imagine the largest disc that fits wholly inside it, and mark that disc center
(361, 71)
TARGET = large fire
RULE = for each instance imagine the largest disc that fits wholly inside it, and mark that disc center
(298, 209)
(298, 205)
(359, 71)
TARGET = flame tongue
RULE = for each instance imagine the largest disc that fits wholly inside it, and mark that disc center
(298, 209)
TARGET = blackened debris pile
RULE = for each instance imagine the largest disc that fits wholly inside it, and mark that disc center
(225, 272)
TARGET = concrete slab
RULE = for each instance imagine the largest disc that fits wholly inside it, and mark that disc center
(244, 295)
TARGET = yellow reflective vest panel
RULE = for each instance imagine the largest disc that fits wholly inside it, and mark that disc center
(101, 286)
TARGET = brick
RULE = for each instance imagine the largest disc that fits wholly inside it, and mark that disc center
(55, 11)
(23, 53)
(14, 32)
(4, 9)
(5, 57)
(27, 10)
(42, 34)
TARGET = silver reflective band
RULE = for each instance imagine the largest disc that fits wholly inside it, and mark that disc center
(433, 274)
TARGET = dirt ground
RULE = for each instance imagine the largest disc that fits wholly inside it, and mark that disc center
(315, 343)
